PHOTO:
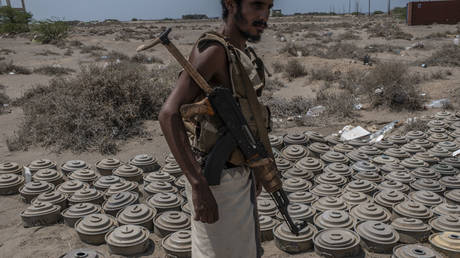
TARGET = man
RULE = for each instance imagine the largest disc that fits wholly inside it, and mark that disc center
(225, 220)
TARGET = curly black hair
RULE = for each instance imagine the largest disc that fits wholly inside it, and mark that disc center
(225, 10)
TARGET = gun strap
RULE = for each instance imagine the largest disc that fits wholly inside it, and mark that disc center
(254, 105)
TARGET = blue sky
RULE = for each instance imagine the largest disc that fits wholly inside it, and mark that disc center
(86, 10)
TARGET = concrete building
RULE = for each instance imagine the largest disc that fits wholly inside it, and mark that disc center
(425, 13)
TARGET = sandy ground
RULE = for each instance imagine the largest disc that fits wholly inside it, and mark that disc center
(16, 241)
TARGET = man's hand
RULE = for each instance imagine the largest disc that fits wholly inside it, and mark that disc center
(205, 205)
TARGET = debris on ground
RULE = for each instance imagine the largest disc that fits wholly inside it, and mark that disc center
(439, 103)
(316, 111)
(350, 133)
(380, 134)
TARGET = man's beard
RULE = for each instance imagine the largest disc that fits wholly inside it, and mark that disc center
(249, 37)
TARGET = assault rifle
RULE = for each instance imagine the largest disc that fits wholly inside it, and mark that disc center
(235, 133)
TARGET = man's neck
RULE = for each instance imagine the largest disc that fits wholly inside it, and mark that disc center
(233, 35)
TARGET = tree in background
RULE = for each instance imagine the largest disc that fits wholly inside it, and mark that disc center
(13, 20)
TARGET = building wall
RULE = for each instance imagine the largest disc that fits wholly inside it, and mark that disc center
(424, 13)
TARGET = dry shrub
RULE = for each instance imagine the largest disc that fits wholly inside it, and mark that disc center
(53, 70)
(273, 85)
(415, 125)
(447, 55)
(143, 59)
(388, 30)
(7, 67)
(282, 107)
(115, 55)
(344, 50)
(277, 67)
(46, 53)
(294, 69)
(95, 109)
(351, 80)
(396, 87)
(4, 99)
(348, 36)
(90, 49)
(381, 48)
(340, 103)
(324, 73)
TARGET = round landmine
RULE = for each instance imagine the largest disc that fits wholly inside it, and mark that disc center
(267, 207)
(10, 183)
(414, 250)
(334, 219)
(158, 176)
(370, 176)
(32, 189)
(357, 155)
(439, 137)
(315, 136)
(296, 172)
(402, 177)
(445, 223)
(397, 153)
(411, 230)
(75, 212)
(331, 179)
(333, 139)
(452, 161)
(85, 175)
(294, 152)
(300, 212)
(384, 160)
(288, 242)
(49, 175)
(385, 144)
(334, 157)
(447, 243)
(412, 209)
(393, 185)
(456, 135)
(128, 240)
(71, 186)
(337, 243)
(92, 228)
(180, 182)
(119, 201)
(40, 214)
(427, 198)
(10, 168)
(145, 162)
(387, 198)
(329, 203)
(82, 253)
(358, 142)
(437, 123)
(450, 146)
(283, 164)
(178, 244)
(104, 182)
(276, 141)
(170, 158)
(310, 164)
(424, 143)
(370, 211)
(362, 186)
(446, 209)
(317, 149)
(377, 237)
(304, 197)
(36, 165)
(398, 139)
(185, 207)
(267, 224)
(444, 169)
(165, 202)
(414, 135)
(427, 185)
(427, 157)
(106, 166)
(295, 139)
(355, 198)
(425, 173)
(340, 169)
(171, 221)
(440, 152)
(293, 184)
(54, 197)
(364, 166)
(87, 195)
(129, 173)
(442, 115)
(123, 186)
(450, 182)
(371, 151)
(323, 190)
(393, 167)
(73, 165)
(413, 163)
(453, 196)
(159, 187)
(343, 148)
(436, 130)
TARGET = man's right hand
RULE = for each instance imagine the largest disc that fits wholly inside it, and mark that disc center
(204, 203)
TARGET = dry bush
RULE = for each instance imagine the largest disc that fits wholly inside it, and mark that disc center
(338, 50)
(397, 88)
(95, 109)
(273, 85)
(415, 125)
(381, 48)
(53, 70)
(4, 99)
(324, 74)
(46, 53)
(143, 59)
(340, 104)
(277, 67)
(347, 36)
(90, 49)
(440, 75)
(281, 107)
(115, 55)
(6, 51)
(75, 43)
(351, 80)
(7, 67)
(447, 55)
(68, 52)
(294, 69)
(388, 30)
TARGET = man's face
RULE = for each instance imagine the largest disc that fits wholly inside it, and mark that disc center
(251, 18)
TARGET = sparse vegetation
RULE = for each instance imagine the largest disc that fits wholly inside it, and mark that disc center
(340, 104)
(273, 85)
(46, 53)
(14, 21)
(415, 125)
(324, 73)
(95, 109)
(281, 107)
(388, 30)
(143, 59)
(447, 55)
(8, 67)
(53, 70)
(4, 99)
(51, 32)
(91, 49)
(295, 69)
(338, 50)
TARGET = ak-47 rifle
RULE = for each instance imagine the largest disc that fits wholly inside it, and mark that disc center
(235, 133)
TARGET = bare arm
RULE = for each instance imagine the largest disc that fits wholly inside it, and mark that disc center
(211, 64)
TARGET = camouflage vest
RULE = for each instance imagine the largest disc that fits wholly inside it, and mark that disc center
(206, 129)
